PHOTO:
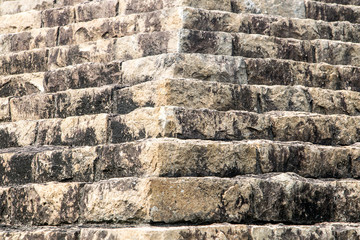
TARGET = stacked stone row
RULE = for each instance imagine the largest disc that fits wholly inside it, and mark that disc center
(127, 119)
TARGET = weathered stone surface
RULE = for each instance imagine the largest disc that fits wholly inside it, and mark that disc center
(48, 204)
(44, 234)
(332, 52)
(282, 72)
(5, 209)
(200, 66)
(235, 125)
(299, 9)
(288, 8)
(323, 231)
(134, 6)
(12, 7)
(344, 2)
(4, 109)
(82, 76)
(183, 41)
(332, 12)
(85, 130)
(125, 48)
(123, 25)
(93, 10)
(305, 29)
(182, 123)
(24, 62)
(65, 104)
(20, 85)
(19, 166)
(176, 158)
(16, 6)
(175, 19)
(240, 70)
(183, 93)
(249, 198)
(20, 22)
(36, 38)
(293, 199)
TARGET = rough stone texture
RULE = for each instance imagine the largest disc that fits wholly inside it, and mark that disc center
(20, 22)
(118, 114)
(204, 67)
(45, 204)
(277, 26)
(316, 51)
(248, 198)
(332, 12)
(91, 10)
(280, 72)
(287, 8)
(235, 125)
(82, 76)
(123, 25)
(85, 130)
(241, 70)
(20, 85)
(182, 41)
(183, 93)
(175, 19)
(299, 9)
(344, 2)
(324, 231)
(175, 158)
(16, 6)
(228, 231)
(182, 123)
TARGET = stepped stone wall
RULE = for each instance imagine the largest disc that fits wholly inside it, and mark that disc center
(179, 119)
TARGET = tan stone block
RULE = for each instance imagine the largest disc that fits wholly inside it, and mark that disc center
(20, 22)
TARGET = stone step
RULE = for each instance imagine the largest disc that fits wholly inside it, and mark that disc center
(332, 12)
(17, 6)
(277, 26)
(168, 157)
(125, 48)
(272, 198)
(20, 85)
(205, 67)
(342, 2)
(300, 9)
(228, 69)
(175, 19)
(314, 51)
(90, 130)
(322, 231)
(283, 72)
(182, 41)
(187, 93)
(96, 9)
(98, 29)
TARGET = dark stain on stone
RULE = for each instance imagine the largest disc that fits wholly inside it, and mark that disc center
(200, 42)
(20, 169)
(154, 44)
(7, 139)
(120, 132)
(115, 165)
(313, 204)
(196, 235)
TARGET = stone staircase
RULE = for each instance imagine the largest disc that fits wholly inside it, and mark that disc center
(179, 119)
